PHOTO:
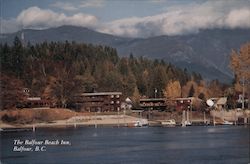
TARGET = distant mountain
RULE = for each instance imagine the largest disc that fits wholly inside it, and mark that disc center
(206, 52)
(63, 33)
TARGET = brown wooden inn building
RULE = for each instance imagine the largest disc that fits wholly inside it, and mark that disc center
(99, 102)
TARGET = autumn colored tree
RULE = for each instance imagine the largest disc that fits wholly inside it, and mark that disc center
(11, 92)
(136, 97)
(215, 89)
(64, 86)
(240, 64)
(172, 90)
(59, 70)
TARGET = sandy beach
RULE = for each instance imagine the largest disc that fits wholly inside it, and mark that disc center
(99, 120)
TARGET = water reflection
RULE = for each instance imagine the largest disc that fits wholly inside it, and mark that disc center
(135, 145)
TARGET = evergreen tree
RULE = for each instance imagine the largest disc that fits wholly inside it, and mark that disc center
(202, 96)
(17, 57)
(191, 91)
(58, 70)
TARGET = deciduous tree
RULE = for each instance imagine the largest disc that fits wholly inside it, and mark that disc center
(172, 90)
(240, 64)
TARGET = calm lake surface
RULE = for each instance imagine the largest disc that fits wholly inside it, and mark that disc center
(220, 144)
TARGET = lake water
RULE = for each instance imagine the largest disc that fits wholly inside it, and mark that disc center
(220, 144)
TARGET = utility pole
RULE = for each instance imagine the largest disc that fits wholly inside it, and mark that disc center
(243, 92)
(204, 117)
(155, 92)
(191, 108)
(95, 119)
(118, 121)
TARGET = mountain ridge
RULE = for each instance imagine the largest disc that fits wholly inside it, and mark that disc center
(206, 52)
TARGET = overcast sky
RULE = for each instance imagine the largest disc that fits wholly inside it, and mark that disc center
(130, 18)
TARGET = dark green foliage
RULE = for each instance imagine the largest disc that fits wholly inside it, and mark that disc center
(58, 71)
(6, 118)
(231, 104)
(191, 91)
(231, 95)
(202, 96)
(196, 77)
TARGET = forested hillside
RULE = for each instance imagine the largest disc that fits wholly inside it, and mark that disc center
(59, 70)
(206, 52)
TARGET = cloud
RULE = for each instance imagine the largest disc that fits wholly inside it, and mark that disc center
(64, 6)
(92, 3)
(157, 1)
(174, 20)
(34, 17)
(74, 7)
(238, 18)
(9, 26)
(186, 19)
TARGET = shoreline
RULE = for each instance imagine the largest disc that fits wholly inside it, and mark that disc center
(28, 128)
(79, 121)
(80, 125)
(111, 120)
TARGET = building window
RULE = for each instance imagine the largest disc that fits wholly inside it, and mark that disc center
(112, 102)
(117, 96)
(112, 96)
(117, 102)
